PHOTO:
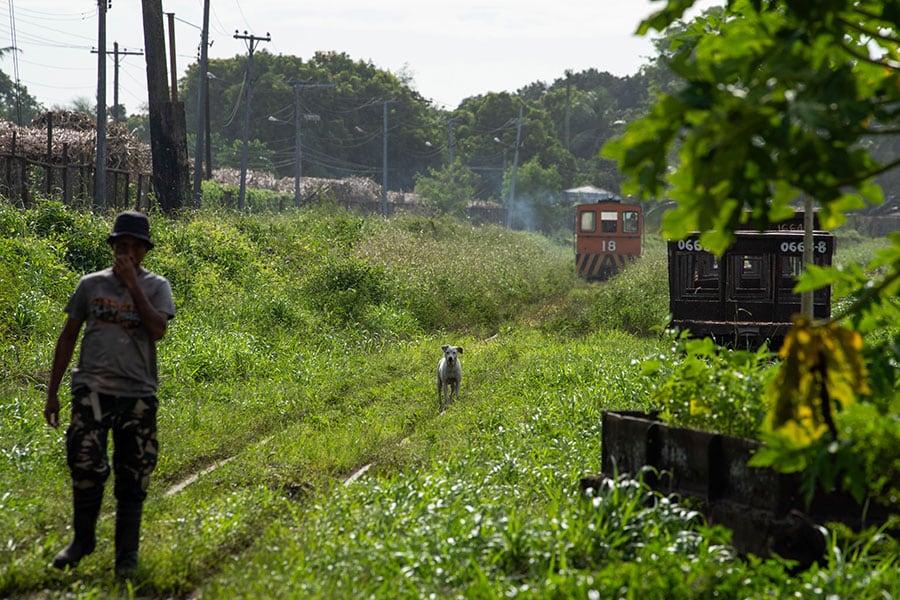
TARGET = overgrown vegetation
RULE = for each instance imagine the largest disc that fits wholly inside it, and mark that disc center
(304, 352)
(763, 119)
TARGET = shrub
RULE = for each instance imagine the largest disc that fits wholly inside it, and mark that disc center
(346, 288)
(81, 233)
(636, 299)
(702, 385)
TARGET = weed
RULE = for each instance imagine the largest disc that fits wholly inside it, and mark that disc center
(304, 350)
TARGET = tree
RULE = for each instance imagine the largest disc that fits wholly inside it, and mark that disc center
(20, 108)
(259, 156)
(84, 105)
(776, 98)
(450, 188)
(16, 104)
(538, 190)
(486, 138)
(343, 124)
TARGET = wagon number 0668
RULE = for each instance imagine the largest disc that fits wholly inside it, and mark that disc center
(819, 247)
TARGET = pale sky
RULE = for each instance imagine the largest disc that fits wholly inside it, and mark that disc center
(452, 50)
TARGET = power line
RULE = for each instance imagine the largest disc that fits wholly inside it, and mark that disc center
(252, 42)
(116, 53)
(56, 15)
(15, 51)
(298, 158)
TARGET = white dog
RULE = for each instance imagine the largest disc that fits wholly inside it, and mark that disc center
(449, 376)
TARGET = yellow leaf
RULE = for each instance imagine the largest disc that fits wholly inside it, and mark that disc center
(802, 433)
(822, 371)
(698, 408)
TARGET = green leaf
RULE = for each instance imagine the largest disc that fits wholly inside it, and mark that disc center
(779, 453)
(650, 367)
(816, 277)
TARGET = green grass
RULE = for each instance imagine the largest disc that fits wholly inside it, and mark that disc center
(304, 351)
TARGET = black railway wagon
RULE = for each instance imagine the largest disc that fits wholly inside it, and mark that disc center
(746, 296)
(607, 237)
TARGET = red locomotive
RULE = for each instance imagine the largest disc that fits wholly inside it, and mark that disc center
(607, 237)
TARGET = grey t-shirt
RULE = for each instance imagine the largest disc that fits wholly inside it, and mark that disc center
(117, 356)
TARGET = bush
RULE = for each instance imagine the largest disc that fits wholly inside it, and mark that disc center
(346, 288)
(705, 386)
(636, 299)
(82, 234)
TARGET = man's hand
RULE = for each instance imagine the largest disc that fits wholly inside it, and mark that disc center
(125, 270)
(51, 411)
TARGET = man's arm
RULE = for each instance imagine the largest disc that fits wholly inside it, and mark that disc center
(154, 321)
(62, 355)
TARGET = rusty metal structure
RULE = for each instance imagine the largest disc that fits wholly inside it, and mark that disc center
(765, 510)
(607, 238)
(746, 296)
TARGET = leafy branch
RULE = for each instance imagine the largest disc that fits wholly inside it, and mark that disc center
(864, 299)
(871, 33)
(860, 177)
(855, 53)
(823, 380)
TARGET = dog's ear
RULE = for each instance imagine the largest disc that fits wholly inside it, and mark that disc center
(444, 347)
(459, 349)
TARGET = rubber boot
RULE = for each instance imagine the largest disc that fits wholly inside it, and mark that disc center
(128, 536)
(86, 508)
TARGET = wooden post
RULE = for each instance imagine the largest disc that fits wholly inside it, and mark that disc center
(140, 191)
(85, 180)
(48, 169)
(67, 193)
(11, 191)
(172, 68)
(168, 133)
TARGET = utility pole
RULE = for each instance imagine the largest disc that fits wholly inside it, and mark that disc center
(100, 166)
(207, 127)
(203, 87)
(384, 163)
(512, 182)
(116, 62)
(117, 111)
(298, 154)
(450, 122)
(252, 42)
(568, 104)
(173, 71)
(168, 132)
(208, 135)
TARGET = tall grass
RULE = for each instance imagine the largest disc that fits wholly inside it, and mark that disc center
(304, 352)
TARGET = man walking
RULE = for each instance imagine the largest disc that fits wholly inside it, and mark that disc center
(125, 310)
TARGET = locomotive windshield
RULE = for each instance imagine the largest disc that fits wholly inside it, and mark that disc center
(609, 219)
(630, 221)
(588, 221)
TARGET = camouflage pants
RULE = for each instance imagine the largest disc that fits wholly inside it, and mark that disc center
(135, 448)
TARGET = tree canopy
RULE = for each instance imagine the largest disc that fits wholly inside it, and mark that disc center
(776, 101)
(348, 107)
(342, 102)
(16, 104)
